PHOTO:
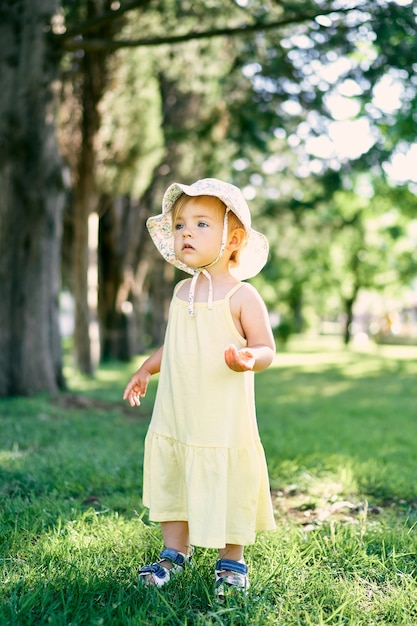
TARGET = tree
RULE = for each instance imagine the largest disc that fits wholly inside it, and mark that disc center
(31, 202)
(90, 85)
(373, 249)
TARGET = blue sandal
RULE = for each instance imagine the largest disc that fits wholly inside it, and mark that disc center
(230, 575)
(157, 574)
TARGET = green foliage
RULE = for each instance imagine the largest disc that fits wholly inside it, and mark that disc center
(283, 331)
(129, 148)
(342, 466)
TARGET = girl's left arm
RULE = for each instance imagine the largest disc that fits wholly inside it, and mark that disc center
(250, 310)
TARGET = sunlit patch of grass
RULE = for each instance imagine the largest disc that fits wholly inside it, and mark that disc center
(356, 411)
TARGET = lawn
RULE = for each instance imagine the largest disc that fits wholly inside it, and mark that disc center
(339, 429)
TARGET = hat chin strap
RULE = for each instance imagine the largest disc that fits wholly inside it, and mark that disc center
(203, 270)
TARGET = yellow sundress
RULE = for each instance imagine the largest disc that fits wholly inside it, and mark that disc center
(204, 462)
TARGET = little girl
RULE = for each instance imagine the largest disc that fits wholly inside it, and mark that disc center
(205, 475)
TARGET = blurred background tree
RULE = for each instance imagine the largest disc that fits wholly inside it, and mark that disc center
(307, 106)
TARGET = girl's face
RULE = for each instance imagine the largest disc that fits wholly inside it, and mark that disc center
(198, 230)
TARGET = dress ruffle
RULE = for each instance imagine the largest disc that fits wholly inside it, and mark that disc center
(232, 483)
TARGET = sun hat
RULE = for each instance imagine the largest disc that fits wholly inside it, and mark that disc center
(252, 256)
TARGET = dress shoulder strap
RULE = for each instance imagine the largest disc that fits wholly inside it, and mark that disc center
(233, 290)
(179, 285)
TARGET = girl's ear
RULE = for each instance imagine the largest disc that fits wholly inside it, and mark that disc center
(236, 239)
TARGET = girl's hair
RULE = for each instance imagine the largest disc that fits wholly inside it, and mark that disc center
(217, 204)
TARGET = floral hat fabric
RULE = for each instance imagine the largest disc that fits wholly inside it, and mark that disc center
(252, 256)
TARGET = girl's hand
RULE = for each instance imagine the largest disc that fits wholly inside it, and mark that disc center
(239, 360)
(136, 387)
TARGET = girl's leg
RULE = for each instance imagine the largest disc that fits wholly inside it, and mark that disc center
(232, 552)
(176, 536)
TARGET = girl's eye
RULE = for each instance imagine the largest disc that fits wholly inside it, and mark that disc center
(179, 226)
(202, 224)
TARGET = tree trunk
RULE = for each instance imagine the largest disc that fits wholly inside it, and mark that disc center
(114, 310)
(350, 301)
(348, 321)
(85, 202)
(31, 203)
(296, 303)
(126, 253)
(349, 304)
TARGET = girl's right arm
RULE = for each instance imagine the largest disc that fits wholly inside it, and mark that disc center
(138, 384)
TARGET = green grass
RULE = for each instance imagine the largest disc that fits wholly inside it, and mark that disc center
(339, 429)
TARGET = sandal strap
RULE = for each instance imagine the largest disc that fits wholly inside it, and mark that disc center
(231, 566)
(159, 572)
(177, 560)
(155, 569)
(174, 557)
(230, 576)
